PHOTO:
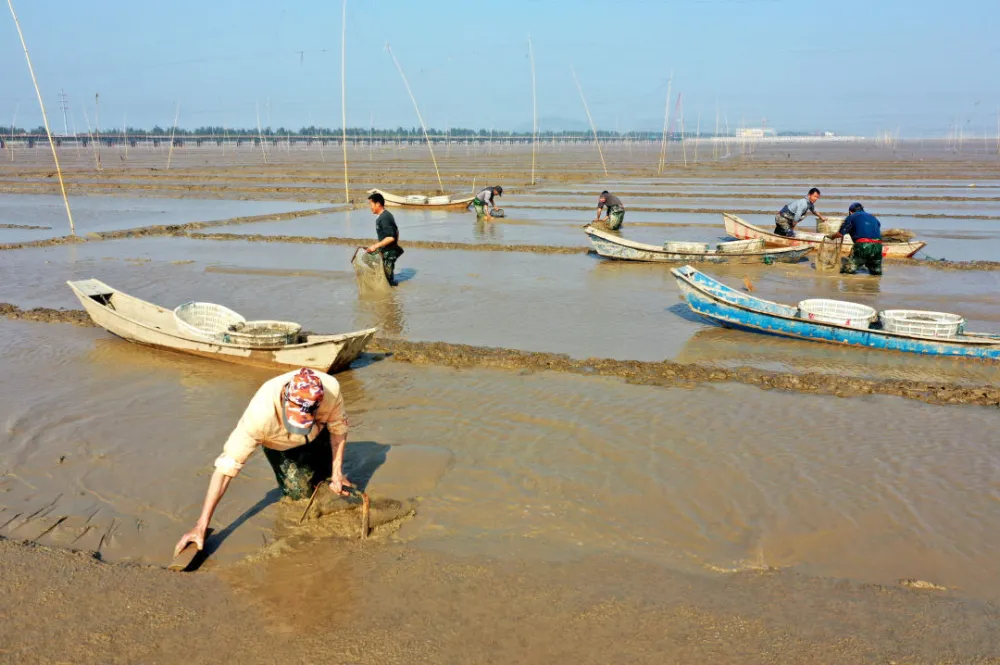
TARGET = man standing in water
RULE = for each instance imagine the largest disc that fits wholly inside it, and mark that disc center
(388, 236)
(484, 203)
(616, 211)
(866, 233)
(299, 420)
(793, 213)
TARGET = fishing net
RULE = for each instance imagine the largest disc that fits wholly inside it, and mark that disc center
(828, 256)
(369, 271)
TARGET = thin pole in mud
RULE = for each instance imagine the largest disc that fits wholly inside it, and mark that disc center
(90, 134)
(715, 142)
(343, 94)
(697, 138)
(125, 132)
(173, 131)
(97, 127)
(534, 111)
(419, 117)
(371, 126)
(17, 107)
(666, 122)
(590, 119)
(260, 133)
(45, 117)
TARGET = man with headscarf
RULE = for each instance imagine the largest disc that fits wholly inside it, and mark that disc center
(484, 202)
(790, 215)
(616, 211)
(298, 419)
(866, 234)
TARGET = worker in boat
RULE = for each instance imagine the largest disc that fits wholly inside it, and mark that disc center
(485, 203)
(866, 234)
(790, 215)
(298, 419)
(388, 236)
(616, 211)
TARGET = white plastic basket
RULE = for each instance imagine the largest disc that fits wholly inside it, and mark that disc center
(741, 246)
(839, 312)
(205, 320)
(439, 200)
(418, 199)
(686, 247)
(924, 324)
(263, 333)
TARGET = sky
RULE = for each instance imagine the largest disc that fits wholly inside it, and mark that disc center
(852, 66)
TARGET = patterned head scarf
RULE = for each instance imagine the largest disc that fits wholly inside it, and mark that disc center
(300, 399)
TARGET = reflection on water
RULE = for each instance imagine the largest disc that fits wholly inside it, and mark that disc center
(384, 310)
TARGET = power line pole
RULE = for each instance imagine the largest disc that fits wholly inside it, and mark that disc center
(64, 105)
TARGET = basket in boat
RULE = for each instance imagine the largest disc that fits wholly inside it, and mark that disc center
(924, 324)
(417, 199)
(830, 225)
(263, 333)
(685, 247)
(839, 312)
(741, 246)
(205, 320)
(439, 200)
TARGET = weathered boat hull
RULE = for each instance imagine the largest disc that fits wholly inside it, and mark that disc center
(740, 228)
(726, 306)
(393, 200)
(144, 323)
(612, 247)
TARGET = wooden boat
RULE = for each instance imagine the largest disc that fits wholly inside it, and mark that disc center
(145, 323)
(415, 201)
(731, 308)
(739, 228)
(611, 246)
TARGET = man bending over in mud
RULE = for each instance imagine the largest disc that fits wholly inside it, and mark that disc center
(388, 236)
(866, 233)
(616, 211)
(484, 202)
(793, 213)
(298, 419)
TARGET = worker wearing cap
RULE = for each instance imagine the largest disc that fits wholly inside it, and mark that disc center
(298, 419)
(484, 201)
(616, 211)
(866, 233)
(790, 215)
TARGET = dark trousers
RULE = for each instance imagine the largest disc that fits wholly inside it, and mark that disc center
(863, 255)
(389, 256)
(784, 226)
(299, 470)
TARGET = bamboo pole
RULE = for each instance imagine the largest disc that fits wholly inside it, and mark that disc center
(260, 133)
(13, 120)
(343, 94)
(173, 132)
(534, 111)
(125, 132)
(666, 121)
(419, 117)
(591, 119)
(45, 117)
(371, 127)
(90, 135)
(97, 128)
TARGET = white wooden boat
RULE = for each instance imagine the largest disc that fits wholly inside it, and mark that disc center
(145, 323)
(739, 228)
(420, 201)
(611, 246)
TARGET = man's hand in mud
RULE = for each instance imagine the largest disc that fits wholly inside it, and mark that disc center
(195, 535)
(338, 483)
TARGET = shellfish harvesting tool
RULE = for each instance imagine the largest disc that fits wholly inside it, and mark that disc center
(353, 491)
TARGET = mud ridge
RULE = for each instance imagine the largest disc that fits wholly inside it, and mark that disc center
(77, 317)
(672, 374)
(417, 244)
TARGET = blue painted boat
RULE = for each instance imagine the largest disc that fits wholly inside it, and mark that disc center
(728, 307)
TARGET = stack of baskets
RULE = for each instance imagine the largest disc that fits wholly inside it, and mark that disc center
(439, 200)
(920, 323)
(263, 333)
(205, 321)
(838, 312)
(741, 246)
(417, 199)
(831, 225)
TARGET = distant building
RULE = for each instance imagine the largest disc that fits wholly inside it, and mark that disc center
(755, 132)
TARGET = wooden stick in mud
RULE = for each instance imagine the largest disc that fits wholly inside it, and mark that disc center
(45, 117)
(343, 95)
(365, 516)
(666, 121)
(419, 117)
(173, 131)
(534, 111)
(12, 121)
(591, 120)
(260, 133)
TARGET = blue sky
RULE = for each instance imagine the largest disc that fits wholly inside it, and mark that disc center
(849, 66)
